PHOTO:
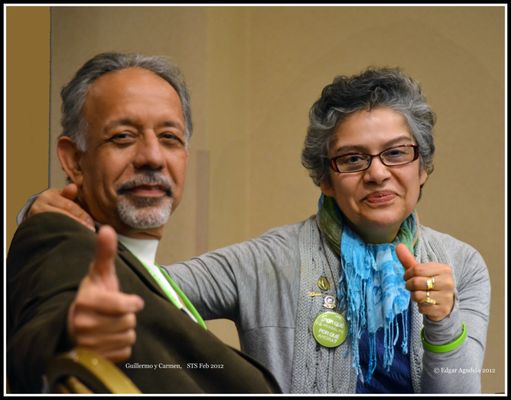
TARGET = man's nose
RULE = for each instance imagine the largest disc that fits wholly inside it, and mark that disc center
(149, 153)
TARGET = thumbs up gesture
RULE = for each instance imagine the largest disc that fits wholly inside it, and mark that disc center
(102, 318)
(431, 285)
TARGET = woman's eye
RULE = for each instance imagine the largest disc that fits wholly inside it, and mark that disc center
(394, 153)
(352, 158)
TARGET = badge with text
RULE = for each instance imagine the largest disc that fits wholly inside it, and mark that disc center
(330, 329)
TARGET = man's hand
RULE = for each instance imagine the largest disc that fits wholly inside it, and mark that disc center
(436, 302)
(101, 317)
(63, 201)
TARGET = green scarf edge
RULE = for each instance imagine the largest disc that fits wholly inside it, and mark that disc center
(330, 224)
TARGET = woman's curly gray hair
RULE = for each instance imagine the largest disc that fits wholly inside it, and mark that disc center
(375, 87)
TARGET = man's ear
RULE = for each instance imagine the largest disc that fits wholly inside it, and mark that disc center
(69, 157)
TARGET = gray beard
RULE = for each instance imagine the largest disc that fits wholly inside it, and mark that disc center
(144, 213)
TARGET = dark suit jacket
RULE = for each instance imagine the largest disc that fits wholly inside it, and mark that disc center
(49, 256)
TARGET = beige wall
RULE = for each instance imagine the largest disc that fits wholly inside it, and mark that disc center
(253, 74)
(27, 93)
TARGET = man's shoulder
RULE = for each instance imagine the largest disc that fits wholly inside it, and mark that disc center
(50, 232)
(51, 218)
(52, 223)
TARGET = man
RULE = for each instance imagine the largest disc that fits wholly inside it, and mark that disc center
(126, 126)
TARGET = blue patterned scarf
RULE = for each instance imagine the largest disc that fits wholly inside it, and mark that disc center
(371, 287)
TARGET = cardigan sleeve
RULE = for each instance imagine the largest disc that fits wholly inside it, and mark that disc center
(243, 282)
(459, 370)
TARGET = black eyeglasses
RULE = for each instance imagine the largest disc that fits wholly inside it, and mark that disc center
(391, 157)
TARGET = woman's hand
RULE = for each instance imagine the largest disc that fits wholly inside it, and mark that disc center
(431, 285)
(62, 201)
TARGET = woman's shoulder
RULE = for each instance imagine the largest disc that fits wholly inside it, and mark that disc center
(463, 257)
(290, 230)
(448, 242)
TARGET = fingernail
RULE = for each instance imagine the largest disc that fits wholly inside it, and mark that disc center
(138, 303)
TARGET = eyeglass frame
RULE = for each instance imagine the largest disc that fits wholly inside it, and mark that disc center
(334, 167)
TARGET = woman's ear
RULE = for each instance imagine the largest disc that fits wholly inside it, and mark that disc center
(327, 189)
(423, 177)
(69, 157)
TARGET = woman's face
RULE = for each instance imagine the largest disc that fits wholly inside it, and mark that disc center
(376, 201)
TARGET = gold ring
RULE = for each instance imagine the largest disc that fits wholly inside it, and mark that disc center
(430, 283)
(428, 300)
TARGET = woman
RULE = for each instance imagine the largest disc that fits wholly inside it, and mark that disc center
(360, 298)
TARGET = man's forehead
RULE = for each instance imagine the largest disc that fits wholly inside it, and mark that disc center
(128, 77)
(131, 85)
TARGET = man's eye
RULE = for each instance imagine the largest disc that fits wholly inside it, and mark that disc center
(122, 138)
(171, 139)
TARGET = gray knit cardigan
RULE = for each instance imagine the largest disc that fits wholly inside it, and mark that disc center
(263, 284)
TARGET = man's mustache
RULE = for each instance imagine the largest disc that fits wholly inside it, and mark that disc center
(152, 179)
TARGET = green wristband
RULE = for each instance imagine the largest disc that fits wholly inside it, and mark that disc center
(444, 348)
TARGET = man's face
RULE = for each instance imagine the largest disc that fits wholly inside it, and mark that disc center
(133, 171)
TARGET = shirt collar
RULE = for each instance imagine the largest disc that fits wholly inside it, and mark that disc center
(143, 249)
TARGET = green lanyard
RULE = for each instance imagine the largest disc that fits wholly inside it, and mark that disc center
(159, 274)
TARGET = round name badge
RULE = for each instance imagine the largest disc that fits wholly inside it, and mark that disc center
(330, 329)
